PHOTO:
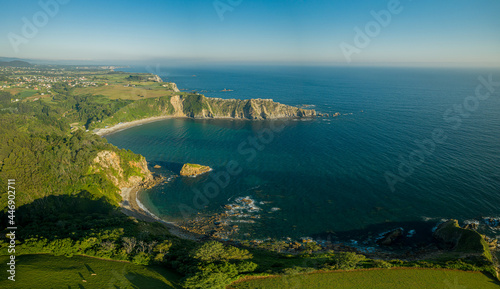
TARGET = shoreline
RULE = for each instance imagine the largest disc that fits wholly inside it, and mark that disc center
(132, 207)
(125, 125)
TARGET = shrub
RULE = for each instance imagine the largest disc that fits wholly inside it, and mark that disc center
(214, 251)
(346, 260)
(382, 264)
(246, 267)
(141, 259)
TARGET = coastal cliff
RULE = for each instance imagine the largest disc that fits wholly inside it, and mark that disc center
(199, 106)
(196, 106)
(123, 170)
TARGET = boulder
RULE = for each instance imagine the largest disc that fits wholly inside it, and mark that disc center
(390, 237)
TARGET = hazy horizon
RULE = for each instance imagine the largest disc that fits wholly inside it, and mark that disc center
(359, 33)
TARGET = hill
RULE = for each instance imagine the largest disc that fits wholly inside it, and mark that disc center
(15, 63)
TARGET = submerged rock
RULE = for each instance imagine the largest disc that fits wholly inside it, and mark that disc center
(193, 170)
(390, 237)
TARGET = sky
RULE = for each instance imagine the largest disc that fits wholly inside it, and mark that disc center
(406, 32)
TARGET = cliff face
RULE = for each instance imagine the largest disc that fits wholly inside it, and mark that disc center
(155, 78)
(173, 86)
(199, 106)
(123, 174)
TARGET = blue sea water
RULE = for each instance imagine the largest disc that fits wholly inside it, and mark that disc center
(329, 175)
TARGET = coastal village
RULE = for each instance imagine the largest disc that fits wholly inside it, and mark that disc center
(36, 82)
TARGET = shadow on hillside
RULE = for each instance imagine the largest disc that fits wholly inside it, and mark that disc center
(141, 281)
(63, 215)
(493, 279)
(91, 271)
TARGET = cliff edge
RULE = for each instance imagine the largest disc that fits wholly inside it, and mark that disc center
(199, 106)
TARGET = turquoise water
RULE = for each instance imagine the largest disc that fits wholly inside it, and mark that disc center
(328, 175)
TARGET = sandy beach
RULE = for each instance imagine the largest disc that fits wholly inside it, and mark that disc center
(131, 208)
(125, 125)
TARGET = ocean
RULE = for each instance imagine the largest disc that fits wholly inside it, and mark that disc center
(411, 146)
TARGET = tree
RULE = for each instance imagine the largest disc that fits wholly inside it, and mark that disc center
(108, 246)
(142, 246)
(151, 246)
(141, 259)
(163, 247)
(312, 246)
(346, 260)
(214, 251)
(129, 244)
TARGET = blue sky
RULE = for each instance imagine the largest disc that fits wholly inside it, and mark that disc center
(285, 31)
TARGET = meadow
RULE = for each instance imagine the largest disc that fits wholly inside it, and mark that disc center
(119, 91)
(46, 271)
(376, 279)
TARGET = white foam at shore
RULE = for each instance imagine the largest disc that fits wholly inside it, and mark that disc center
(149, 212)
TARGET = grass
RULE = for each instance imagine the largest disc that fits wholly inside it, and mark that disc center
(377, 279)
(26, 93)
(194, 166)
(46, 271)
(118, 91)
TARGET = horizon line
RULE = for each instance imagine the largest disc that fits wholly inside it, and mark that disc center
(204, 62)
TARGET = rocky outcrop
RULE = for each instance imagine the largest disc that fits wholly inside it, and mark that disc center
(193, 170)
(449, 233)
(113, 167)
(173, 87)
(389, 238)
(451, 236)
(199, 106)
(155, 78)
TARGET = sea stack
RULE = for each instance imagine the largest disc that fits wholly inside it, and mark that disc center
(193, 170)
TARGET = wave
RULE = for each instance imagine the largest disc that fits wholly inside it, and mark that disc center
(141, 205)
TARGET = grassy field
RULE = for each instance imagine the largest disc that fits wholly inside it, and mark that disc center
(378, 279)
(118, 91)
(45, 271)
